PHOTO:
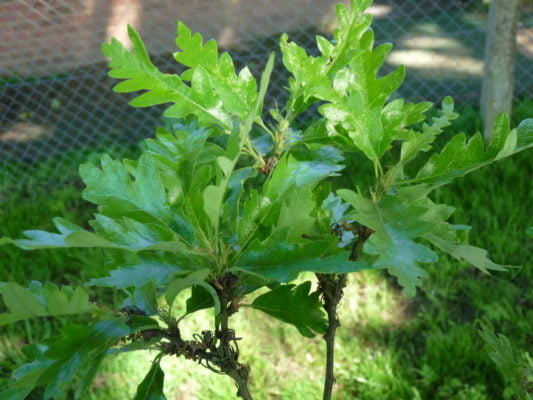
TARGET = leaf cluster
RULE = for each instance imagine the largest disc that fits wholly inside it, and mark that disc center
(231, 189)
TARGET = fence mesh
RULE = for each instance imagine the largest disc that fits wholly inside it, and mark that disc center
(56, 103)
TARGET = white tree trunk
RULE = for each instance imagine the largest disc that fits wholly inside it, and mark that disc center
(500, 49)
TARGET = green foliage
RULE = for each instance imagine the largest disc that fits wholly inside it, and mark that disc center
(41, 301)
(516, 369)
(151, 388)
(296, 306)
(204, 207)
(77, 353)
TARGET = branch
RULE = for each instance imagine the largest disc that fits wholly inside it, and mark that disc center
(331, 287)
(215, 350)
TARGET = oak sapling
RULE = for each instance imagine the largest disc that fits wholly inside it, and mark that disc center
(231, 199)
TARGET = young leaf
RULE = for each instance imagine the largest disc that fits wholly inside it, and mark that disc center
(196, 278)
(151, 387)
(525, 134)
(42, 301)
(298, 170)
(471, 254)
(112, 188)
(312, 76)
(144, 298)
(198, 99)
(200, 299)
(259, 102)
(254, 210)
(397, 116)
(237, 92)
(213, 197)
(295, 215)
(460, 157)
(356, 107)
(417, 142)
(296, 306)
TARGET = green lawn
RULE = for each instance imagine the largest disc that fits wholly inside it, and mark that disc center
(390, 347)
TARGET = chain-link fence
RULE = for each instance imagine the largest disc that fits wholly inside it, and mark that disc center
(56, 103)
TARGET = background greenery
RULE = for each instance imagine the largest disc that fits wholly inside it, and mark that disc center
(389, 347)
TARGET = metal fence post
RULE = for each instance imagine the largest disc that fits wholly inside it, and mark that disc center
(500, 50)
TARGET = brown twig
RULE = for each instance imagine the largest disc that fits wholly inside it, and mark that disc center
(215, 350)
(331, 287)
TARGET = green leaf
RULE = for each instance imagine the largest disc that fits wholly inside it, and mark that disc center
(144, 298)
(512, 366)
(397, 116)
(254, 210)
(180, 153)
(114, 190)
(213, 197)
(356, 108)
(421, 142)
(295, 215)
(312, 76)
(395, 225)
(182, 283)
(138, 275)
(198, 99)
(460, 157)
(139, 323)
(200, 299)
(259, 101)
(301, 169)
(525, 134)
(151, 387)
(275, 259)
(296, 306)
(237, 92)
(237, 190)
(15, 394)
(401, 257)
(42, 301)
(471, 254)
(125, 234)
(72, 357)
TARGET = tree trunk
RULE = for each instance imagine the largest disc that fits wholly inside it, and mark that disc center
(500, 49)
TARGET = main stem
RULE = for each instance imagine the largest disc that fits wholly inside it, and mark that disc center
(332, 290)
(238, 372)
(331, 286)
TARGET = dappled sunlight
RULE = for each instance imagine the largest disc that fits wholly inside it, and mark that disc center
(26, 132)
(524, 41)
(380, 10)
(433, 52)
(432, 42)
(429, 28)
(226, 36)
(429, 61)
(129, 13)
(373, 373)
(369, 300)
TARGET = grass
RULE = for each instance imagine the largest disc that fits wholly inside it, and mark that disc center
(389, 347)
